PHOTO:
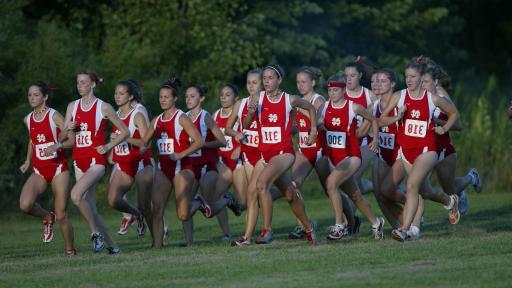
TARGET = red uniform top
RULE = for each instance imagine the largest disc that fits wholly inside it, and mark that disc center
(416, 127)
(230, 144)
(252, 137)
(387, 134)
(43, 134)
(442, 141)
(203, 155)
(364, 100)
(341, 140)
(275, 121)
(89, 130)
(125, 151)
(170, 136)
(304, 125)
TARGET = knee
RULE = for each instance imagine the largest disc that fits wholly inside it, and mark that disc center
(331, 188)
(182, 215)
(75, 197)
(26, 206)
(60, 215)
(356, 196)
(290, 194)
(412, 188)
(260, 186)
(114, 202)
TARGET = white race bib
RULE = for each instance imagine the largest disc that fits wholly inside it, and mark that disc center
(41, 150)
(271, 135)
(83, 139)
(336, 139)
(253, 139)
(387, 140)
(415, 128)
(303, 139)
(165, 146)
(229, 142)
(122, 149)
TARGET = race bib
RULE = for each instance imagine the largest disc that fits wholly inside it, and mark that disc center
(271, 135)
(229, 144)
(252, 138)
(415, 128)
(41, 151)
(336, 139)
(387, 140)
(303, 139)
(122, 149)
(165, 146)
(83, 139)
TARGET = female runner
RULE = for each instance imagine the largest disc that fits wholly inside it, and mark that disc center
(338, 118)
(49, 165)
(85, 123)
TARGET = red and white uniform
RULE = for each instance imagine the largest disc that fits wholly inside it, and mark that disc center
(444, 144)
(388, 136)
(43, 134)
(340, 138)
(250, 151)
(89, 134)
(204, 159)
(231, 145)
(315, 151)
(171, 138)
(416, 135)
(275, 119)
(147, 156)
(364, 100)
(127, 156)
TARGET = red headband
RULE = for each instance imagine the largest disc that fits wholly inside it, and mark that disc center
(333, 84)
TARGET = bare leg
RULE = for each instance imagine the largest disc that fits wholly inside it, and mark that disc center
(144, 181)
(33, 187)
(160, 196)
(60, 187)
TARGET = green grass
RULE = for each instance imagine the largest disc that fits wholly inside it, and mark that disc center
(475, 253)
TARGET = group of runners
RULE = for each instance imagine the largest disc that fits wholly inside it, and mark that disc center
(247, 144)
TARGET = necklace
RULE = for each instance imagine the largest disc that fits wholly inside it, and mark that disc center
(87, 102)
(40, 112)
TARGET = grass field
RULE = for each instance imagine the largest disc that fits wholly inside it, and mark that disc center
(475, 253)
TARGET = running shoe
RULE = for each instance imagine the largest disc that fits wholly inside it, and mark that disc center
(70, 252)
(98, 242)
(463, 202)
(413, 233)
(226, 237)
(399, 235)
(242, 241)
(141, 228)
(337, 232)
(311, 234)
(298, 233)
(233, 204)
(203, 207)
(453, 210)
(378, 228)
(48, 227)
(113, 250)
(477, 181)
(125, 224)
(265, 237)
